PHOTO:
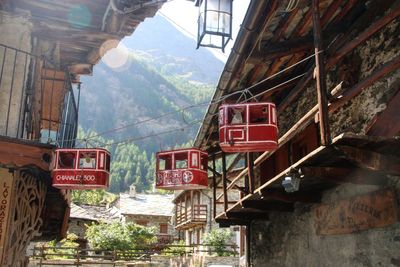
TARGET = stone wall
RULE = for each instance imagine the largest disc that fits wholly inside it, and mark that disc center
(289, 239)
(358, 114)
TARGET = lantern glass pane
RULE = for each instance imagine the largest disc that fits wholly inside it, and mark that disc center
(217, 15)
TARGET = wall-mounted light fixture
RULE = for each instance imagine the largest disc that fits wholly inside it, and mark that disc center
(214, 23)
(291, 183)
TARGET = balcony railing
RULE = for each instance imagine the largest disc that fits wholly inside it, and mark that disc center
(42, 110)
(199, 215)
(16, 91)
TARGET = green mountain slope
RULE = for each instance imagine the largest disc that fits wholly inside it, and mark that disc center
(160, 78)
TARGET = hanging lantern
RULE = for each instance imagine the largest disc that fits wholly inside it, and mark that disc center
(214, 23)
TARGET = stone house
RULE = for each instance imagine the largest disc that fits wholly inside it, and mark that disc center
(153, 210)
(83, 215)
(328, 194)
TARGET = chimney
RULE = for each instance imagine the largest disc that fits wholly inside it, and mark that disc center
(132, 191)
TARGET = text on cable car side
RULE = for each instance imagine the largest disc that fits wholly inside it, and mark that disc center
(82, 168)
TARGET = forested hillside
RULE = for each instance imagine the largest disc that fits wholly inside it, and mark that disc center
(126, 107)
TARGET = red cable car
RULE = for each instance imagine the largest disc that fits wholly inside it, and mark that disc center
(82, 168)
(248, 127)
(182, 169)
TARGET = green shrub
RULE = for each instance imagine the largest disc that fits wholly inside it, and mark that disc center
(217, 241)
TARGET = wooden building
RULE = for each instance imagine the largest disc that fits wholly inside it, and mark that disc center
(332, 70)
(44, 47)
(193, 213)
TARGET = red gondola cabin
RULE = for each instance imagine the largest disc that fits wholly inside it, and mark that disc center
(182, 169)
(248, 127)
(81, 168)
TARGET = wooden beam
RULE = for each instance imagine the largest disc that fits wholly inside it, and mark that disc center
(357, 89)
(224, 182)
(387, 123)
(214, 172)
(15, 153)
(346, 175)
(267, 205)
(230, 202)
(250, 173)
(350, 41)
(214, 179)
(275, 51)
(372, 160)
(320, 76)
(329, 12)
(229, 222)
(282, 195)
(235, 161)
(341, 48)
(301, 85)
(248, 215)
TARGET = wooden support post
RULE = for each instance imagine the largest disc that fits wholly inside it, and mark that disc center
(246, 179)
(214, 189)
(248, 245)
(191, 205)
(320, 77)
(224, 182)
(185, 207)
(250, 175)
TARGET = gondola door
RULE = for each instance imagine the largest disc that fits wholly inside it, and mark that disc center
(236, 118)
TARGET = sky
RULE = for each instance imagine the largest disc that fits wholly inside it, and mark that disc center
(183, 15)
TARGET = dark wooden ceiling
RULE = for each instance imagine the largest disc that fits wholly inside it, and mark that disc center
(78, 28)
(285, 39)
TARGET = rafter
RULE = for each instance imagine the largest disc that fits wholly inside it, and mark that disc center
(248, 215)
(281, 195)
(274, 51)
(372, 160)
(340, 175)
(267, 205)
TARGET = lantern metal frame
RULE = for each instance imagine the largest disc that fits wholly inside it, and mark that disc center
(202, 29)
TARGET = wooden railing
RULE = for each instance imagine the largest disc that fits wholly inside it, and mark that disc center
(199, 214)
(44, 256)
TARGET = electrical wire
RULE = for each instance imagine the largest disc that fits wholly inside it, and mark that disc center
(205, 103)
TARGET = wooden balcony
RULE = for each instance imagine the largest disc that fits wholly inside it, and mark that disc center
(191, 218)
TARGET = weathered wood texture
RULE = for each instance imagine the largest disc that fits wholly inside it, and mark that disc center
(377, 209)
(320, 76)
(19, 154)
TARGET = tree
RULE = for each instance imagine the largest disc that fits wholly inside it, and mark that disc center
(118, 236)
(217, 240)
(63, 249)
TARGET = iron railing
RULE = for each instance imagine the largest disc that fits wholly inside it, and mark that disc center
(16, 91)
(56, 120)
(69, 120)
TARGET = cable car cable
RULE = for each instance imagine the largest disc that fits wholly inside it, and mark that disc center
(212, 101)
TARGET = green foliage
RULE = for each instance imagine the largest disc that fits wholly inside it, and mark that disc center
(177, 248)
(217, 240)
(92, 197)
(64, 248)
(118, 236)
